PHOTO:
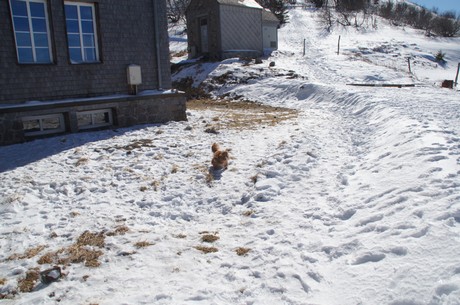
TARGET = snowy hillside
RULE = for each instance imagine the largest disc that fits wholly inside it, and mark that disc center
(335, 194)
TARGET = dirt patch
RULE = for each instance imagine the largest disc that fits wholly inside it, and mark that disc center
(238, 114)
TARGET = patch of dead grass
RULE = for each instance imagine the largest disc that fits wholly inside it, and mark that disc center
(119, 230)
(91, 239)
(2, 281)
(82, 251)
(74, 214)
(209, 238)
(143, 244)
(242, 251)
(32, 252)
(248, 213)
(206, 250)
(82, 161)
(27, 284)
(80, 254)
(47, 258)
(233, 114)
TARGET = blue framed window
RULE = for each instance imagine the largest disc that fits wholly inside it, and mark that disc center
(81, 32)
(31, 31)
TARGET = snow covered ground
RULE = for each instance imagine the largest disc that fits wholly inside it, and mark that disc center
(355, 200)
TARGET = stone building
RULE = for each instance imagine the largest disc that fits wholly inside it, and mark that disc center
(220, 29)
(68, 66)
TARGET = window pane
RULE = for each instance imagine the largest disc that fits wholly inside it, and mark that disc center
(41, 40)
(43, 55)
(25, 55)
(21, 24)
(51, 123)
(23, 40)
(39, 25)
(86, 12)
(101, 118)
(71, 12)
(37, 9)
(72, 26)
(73, 40)
(19, 8)
(75, 55)
(88, 41)
(84, 119)
(87, 27)
(31, 125)
(90, 54)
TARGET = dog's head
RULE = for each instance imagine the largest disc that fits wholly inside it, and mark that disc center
(222, 155)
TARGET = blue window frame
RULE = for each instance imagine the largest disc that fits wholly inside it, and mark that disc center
(81, 32)
(31, 31)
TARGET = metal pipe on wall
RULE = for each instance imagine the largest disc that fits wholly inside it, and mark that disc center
(157, 44)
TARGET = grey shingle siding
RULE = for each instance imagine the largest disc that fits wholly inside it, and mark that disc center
(240, 28)
(126, 36)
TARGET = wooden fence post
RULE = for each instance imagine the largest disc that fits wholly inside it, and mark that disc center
(338, 46)
(408, 62)
(456, 77)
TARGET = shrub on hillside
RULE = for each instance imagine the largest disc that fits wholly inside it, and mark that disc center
(440, 56)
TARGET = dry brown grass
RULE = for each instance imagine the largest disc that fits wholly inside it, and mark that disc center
(242, 251)
(143, 244)
(80, 252)
(179, 54)
(28, 254)
(180, 236)
(242, 114)
(74, 214)
(137, 144)
(47, 258)
(82, 161)
(119, 230)
(2, 281)
(248, 213)
(206, 250)
(174, 169)
(209, 238)
(155, 184)
(91, 239)
(27, 284)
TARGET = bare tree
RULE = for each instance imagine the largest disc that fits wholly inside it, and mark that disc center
(176, 9)
(446, 25)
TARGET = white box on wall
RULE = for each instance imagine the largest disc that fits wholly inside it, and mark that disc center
(134, 75)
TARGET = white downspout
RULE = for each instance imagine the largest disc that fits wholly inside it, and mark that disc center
(157, 44)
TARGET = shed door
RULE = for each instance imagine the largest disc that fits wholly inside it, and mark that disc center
(204, 35)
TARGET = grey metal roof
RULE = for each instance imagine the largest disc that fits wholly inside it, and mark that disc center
(268, 16)
(247, 3)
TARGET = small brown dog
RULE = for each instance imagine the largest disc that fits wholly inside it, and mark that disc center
(220, 158)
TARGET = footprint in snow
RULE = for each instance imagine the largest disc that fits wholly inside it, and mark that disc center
(368, 257)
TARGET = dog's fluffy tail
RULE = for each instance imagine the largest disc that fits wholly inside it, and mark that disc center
(215, 147)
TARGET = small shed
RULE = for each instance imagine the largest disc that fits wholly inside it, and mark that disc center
(220, 29)
(270, 30)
